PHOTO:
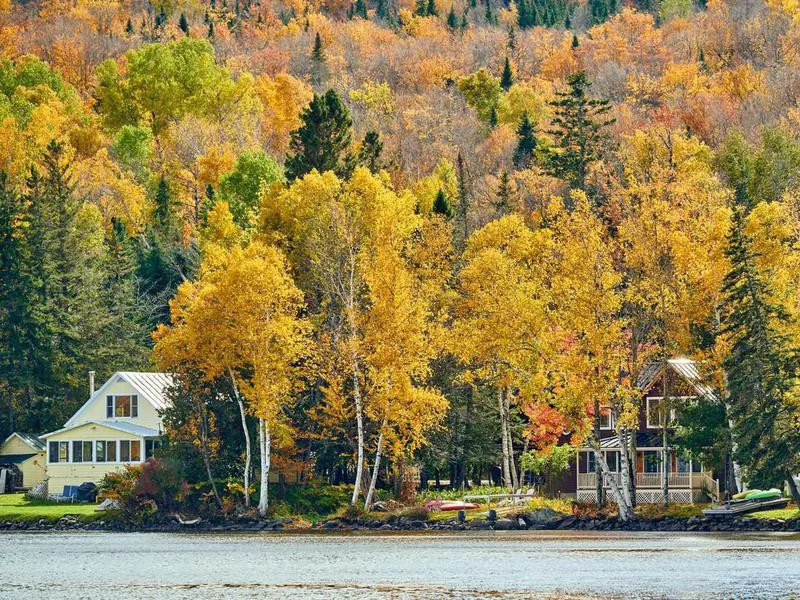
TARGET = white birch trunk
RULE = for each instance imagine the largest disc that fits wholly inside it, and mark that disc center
(248, 456)
(265, 446)
(625, 510)
(504, 434)
(375, 468)
(360, 424)
(512, 467)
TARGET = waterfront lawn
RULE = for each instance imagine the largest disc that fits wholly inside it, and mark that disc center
(790, 512)
(15, 507)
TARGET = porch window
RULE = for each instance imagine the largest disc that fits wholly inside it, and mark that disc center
(591, 465)
(125, 406)
(59, 452)
(105, 451)
(130, 451)
(651, 461)
(682, 464)
(612, 458)
(81, 452)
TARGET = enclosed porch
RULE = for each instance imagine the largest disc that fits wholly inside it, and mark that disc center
(689, 481)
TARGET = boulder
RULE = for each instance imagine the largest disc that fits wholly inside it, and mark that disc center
(543, 518)
(505, 525)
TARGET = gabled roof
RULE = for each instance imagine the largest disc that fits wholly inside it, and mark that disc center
(28, 438)
(131, 428)
(150, 386)
(685, 368)
(15, 458)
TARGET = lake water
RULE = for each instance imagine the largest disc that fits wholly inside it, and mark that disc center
(427, 565)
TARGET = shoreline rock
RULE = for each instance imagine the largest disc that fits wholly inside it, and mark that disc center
(513, 522)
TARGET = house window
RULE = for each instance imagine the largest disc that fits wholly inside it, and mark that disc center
(612, 458)
(149, 448)
(590, 462)
(682, 464)
(59, 452)
(105, 451)
(81, 452)
(655, 416)
(606, 419)
(651, 461)
(122, 406)
(130, 451)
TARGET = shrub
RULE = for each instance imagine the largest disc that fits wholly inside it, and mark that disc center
(418, 513)
(162, 481)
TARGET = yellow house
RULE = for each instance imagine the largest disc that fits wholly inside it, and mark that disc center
(119, 424)
(28, 453)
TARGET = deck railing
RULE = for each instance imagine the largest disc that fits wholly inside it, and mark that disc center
(653, 480)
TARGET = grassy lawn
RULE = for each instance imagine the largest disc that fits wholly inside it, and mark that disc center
(14, 507)
(790, 512)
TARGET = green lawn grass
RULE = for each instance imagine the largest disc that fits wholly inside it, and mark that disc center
(790, 512)
(15, 507)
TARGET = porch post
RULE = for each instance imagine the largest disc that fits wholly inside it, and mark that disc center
(691, 487)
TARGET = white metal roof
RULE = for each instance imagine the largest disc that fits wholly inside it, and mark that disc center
(150, 386)
(684, 367)
(131, 428)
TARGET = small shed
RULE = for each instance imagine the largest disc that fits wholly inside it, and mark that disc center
(27, 453)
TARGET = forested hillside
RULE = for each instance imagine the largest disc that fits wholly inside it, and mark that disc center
(425, 232)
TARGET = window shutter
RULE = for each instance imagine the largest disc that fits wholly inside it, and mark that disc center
(134, 406)
(109, 407)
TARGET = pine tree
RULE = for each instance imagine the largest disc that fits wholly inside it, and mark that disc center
(511, 41)
(575, 42)
(525, 15)
(323, 140)
(762, 369)
(183, 24)
(360, 9)
(503, 204)
(370, 153)
(526, 142)
(567, 22)
(441, 206)
(452, 19)
(318, 51)
(129, 27)
(161, 19)
(382, 10)
(420, 8)
(431, 10)
(579, 137)
(493, 119)
(464, 22)
(211, 29)
(507, 79)
(489, 14)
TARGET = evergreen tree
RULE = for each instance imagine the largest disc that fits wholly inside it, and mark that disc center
(526, 142)
(420, 8)
(503, 204)
(579, 137)
(161, 19)
(452, 19)
(601, 10)
(762, 370)
(129, 27)
(323, 140)
(210, 29)
(464, 23)
(370, 153)
(183, 24)
(493, 120)
(318, 50)
(511, 41)
(441, 206)
(163, 205)
(361, 9)
(575, 42)
(568, 23)
(507, 78)
(382, 10)
(489, 14)
(431, 10)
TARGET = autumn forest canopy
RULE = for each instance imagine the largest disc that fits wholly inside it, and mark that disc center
(396, 233)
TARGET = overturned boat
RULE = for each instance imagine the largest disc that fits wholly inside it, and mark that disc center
(748, 502)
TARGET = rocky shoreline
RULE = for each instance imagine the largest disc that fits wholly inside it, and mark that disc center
(539, 520)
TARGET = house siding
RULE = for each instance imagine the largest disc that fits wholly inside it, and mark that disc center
(62, 474)
(96, 410)
(34, 469)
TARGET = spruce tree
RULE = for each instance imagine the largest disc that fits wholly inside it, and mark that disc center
(370, 153)
(318, 50)
(575, 42)
(421, 8)
(503, 204)
(489, 14)
(452, 19)
(183, 24)
(432, 10)
(360, 9)
(441, 206)
(511, 41)
(579, 135)
(762, 369)
(526, 142)
(493, 119)
(323, 140)
(211, 29)
(507, 78)
(161, 19)
(129, 27)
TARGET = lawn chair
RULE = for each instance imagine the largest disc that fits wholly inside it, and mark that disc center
(70, 494)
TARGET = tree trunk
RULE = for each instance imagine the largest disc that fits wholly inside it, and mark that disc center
(625, 470)
(665, 461)
(504, 434)
(512, 467)
(793, 489)
(599, 489)
(625, 510)
(264, 445)
(375, 469)
(202, 417)
(248, 456)
(360, 424)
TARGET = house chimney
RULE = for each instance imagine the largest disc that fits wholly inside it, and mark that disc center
(91, 383)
